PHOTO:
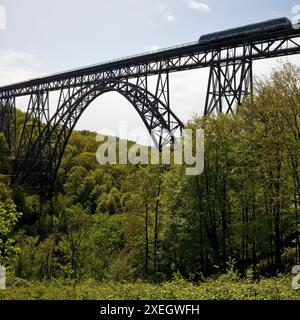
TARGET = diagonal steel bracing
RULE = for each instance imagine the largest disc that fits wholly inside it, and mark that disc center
(228, 83)
(8, 124)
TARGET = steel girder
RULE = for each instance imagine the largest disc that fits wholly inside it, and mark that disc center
(182, 58)
(39, 159)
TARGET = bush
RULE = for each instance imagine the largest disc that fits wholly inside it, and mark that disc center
(177, 289)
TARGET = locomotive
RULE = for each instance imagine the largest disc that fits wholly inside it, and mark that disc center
(262, 27)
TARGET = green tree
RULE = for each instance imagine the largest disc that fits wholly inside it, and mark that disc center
(9, 216)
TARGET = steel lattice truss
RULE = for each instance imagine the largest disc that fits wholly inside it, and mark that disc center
(44, 138)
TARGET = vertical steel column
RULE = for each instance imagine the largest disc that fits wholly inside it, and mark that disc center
(37, 117)
(162, 94)
(230, 80)
(161, 104)
(8, 129)
(142, 83)
(8, 124)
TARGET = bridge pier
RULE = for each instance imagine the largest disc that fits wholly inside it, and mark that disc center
(9, 131)
(161, 103)
(29, 149)
(230, 80)
(8, 123)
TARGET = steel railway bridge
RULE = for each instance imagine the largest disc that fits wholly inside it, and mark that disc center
(40, 149)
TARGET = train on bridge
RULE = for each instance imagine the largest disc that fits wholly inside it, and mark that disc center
(246, 31)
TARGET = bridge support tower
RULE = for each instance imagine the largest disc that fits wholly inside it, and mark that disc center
(230, 80)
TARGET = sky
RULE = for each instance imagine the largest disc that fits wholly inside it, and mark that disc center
(44, 37)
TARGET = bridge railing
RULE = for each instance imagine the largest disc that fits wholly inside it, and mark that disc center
(188, 44)
(110, 61)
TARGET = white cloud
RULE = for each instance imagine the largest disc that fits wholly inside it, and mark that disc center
(169, 17)
(195, 5)
(17, 66)
(165, 13)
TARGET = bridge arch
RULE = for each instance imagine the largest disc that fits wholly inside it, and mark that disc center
(44, 155)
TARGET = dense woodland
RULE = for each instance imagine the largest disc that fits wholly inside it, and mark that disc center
(124, 223)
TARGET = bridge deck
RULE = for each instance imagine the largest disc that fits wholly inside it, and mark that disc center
(179, 58)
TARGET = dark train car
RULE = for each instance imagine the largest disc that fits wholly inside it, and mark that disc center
(266, 26)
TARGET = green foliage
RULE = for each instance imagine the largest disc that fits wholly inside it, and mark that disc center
(178, 289)
(9, 217)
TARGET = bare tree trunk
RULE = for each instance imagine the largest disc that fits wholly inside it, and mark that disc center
(277, 216)
(156, 226)
(147, 241)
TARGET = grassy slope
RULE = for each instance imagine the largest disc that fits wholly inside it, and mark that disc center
(223, 288)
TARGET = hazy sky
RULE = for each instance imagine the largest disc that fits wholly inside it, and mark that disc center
(42, 36)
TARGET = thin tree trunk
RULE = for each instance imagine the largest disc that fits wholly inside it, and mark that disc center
(147, 241)
(254, 257)
(277, 217)
(156, 244)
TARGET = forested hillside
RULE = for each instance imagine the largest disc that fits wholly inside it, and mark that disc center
(117, 222)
